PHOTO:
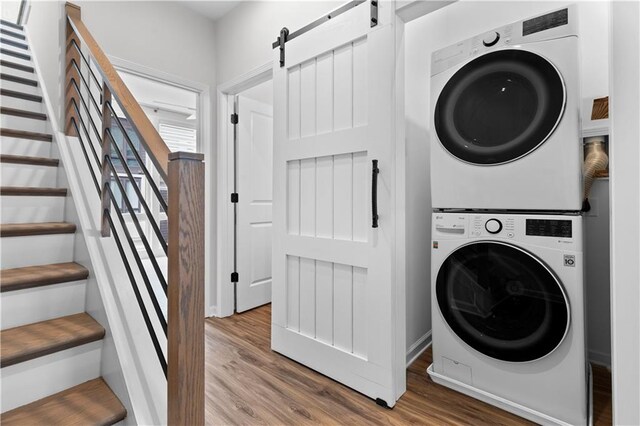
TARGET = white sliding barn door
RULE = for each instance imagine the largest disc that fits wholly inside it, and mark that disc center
(334, 304)
(255, 187)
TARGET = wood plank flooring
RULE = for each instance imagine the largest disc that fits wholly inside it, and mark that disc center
(248, 384)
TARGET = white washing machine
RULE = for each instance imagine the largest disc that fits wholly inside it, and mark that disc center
(508, 313)
(505, 118)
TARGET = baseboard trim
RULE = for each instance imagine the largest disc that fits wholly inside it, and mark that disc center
(418, 347)
(211, 311)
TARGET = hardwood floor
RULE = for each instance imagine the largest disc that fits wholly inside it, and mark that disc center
(248, 384)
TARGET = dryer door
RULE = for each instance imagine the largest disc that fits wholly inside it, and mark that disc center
(499, 107)
(502, 301)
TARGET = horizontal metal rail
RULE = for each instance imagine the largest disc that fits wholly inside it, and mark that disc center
(86, 108)
(144, 204)
(86, 155)
(136, 290)
(136, 223)
(86, 61)
(145, 171)
(88, 86)
(86, 132)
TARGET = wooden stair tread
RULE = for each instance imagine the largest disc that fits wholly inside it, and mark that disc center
(17, 79)
(23, 134)
(32, 191)
(44, 228)
(20, 95)
(25, 159)
(7, 32)
(20, 67)
(90, 403)
(41, 275)
(23, 113)
(14, 43)
(11, 24)
(31, 341)
(15, 54)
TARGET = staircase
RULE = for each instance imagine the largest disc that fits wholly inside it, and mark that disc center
(50, 348)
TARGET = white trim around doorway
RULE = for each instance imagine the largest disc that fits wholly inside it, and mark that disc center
(225, 95)
(205, 145)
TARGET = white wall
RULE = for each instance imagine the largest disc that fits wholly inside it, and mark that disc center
(244, 35)
(625, 211)
(439, 29)
(9, 10)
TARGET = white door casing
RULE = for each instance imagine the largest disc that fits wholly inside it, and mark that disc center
(255, 188)
(334, 297)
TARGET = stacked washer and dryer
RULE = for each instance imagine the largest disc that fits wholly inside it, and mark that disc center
(508, 291)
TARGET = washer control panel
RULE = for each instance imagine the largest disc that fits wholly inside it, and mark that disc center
(487, 225)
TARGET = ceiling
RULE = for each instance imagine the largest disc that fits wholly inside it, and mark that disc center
(211, 9)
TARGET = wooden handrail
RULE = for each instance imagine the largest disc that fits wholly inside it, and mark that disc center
(147, 133)
(184, 175)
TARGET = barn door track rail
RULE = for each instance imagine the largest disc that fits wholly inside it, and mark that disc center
(286, 36)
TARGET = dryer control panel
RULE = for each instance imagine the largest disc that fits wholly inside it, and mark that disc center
(553, 25)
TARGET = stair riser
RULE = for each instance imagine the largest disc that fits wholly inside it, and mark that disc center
(31, 209)
(15, 54)
(23, 123)
(17, 72)
(14, 48)
(34, 379)
(19, 87)
(42, 250)
(17, 146)
(12, 28)
(22, 307)
(28, 175)
(23, 104)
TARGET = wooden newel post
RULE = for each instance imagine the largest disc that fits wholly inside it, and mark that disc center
(71, 54)
(186, 289)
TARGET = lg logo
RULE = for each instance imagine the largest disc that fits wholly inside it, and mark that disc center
(569, 260)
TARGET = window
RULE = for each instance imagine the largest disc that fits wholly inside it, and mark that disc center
(125, 148)
(177, 138)
(130, 190)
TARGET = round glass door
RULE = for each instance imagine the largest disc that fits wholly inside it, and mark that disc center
(499, 107)
(502, 301)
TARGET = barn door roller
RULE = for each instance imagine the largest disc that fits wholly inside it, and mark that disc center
(285, 36)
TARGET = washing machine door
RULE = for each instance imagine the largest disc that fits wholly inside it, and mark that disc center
(499, 107)
(502, 301)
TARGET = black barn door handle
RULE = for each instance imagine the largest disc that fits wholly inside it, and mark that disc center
(374, 194)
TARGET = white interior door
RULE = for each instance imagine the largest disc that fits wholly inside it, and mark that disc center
(254, 168)
(334, 305)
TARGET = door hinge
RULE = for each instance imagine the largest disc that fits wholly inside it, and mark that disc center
(234, 197)
(374, 13)
(234, 118)
(234, 277)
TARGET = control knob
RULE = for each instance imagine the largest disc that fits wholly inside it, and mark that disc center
(491, 39)
(493, 226)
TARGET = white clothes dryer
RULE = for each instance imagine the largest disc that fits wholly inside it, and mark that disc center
(508, 313)
(505, 118)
